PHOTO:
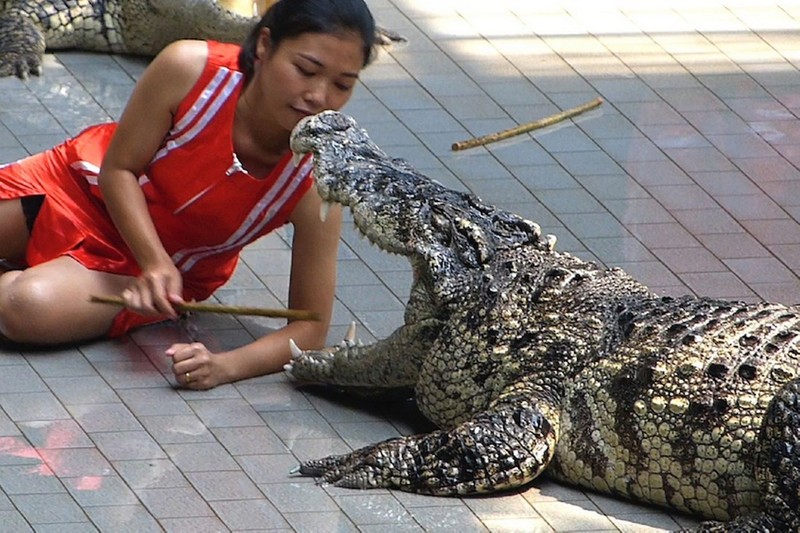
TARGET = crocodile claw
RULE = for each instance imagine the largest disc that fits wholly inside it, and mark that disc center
(19, 66)
(360, 469)
(22, 46)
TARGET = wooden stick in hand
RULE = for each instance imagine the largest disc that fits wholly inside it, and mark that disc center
(194, 307)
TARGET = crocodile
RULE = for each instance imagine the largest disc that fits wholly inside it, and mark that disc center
(137, 27)
(529, 361)
(143, 27)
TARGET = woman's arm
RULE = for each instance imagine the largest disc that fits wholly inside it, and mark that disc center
(142, 127)
(312, 287)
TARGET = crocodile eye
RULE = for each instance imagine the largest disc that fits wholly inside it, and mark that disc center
(557, 275)
(439, 222)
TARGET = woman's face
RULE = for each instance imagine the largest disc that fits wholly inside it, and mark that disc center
(306, 74)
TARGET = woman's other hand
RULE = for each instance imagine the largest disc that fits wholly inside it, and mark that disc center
(195, 367)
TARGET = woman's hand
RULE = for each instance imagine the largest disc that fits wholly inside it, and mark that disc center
(195, 367)
(144, 124)
(155, 291)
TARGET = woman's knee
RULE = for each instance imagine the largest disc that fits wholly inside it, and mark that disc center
(49, 303)
(26, 307)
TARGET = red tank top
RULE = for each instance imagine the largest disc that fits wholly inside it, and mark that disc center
(205, 206)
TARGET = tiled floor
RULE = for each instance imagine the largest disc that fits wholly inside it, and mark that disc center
(687, 176)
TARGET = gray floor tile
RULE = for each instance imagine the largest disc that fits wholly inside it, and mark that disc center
(18, 451)
(225, 413)
(200, 457)
(57, 508)
(251, 440)
(151, 474)
(154, 401)
(82, 390)
(76, 462)
(293, 425)
(360, 434)
(228, 485)
(274, 468)
(309, 449)
(17, 378)
(687, 176)
(321, 522)
(176, 429)
(73, 527)
(127, 445)
(374, 509)
(298, 497)
(209, 524)
(123, 518)
(22, 479)
(704, 221)
(249, 514)
(62, 364)
(100, 491)
(577, 515)
(27, 406)
(448, 518)
(104, 417)
(272, 397)
(14, 521)
(127, 375)
(55, 434)
(174, 502)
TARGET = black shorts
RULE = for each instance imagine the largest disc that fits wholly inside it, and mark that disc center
(30, 208)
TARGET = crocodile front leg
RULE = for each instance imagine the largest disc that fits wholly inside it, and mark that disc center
(390, 363)
(22, 45)
(504, 447)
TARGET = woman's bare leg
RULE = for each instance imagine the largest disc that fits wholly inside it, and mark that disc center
(13, 231)
(49, 303)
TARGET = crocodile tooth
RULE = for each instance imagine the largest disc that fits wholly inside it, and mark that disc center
(350, 336)
(324, 208)
(296, 352)
(296, 158)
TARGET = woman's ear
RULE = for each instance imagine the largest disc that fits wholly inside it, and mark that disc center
(263, 45)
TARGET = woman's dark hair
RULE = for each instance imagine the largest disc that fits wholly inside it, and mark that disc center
(290, 18)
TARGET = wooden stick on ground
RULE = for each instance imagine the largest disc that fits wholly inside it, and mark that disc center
(291, 314)
(524, 128)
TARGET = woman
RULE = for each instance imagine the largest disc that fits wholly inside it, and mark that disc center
(157, 207)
